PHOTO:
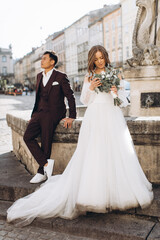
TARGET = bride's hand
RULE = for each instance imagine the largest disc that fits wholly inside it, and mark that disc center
(114, 89)
(95, 83)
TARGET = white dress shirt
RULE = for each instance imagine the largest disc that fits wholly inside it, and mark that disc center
(46, 76)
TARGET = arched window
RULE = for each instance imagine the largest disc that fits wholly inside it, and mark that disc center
(4, 70)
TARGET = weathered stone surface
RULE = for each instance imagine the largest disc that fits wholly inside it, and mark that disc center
(14, 179)
(4, 205)
(155, 234)
(142, 80)
(95, 226)
(154, 209)
(10, 232)
(145, 132)
(116, 225)
(106, 226)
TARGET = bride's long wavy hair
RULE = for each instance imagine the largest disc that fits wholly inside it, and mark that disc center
(91, 57)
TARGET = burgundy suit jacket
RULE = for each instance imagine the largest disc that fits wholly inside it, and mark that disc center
(56, 95)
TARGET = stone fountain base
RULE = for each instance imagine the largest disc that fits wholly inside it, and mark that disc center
(145, 90)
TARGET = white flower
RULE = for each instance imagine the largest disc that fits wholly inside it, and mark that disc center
(113, 94)
(108, 76)
(103, 74)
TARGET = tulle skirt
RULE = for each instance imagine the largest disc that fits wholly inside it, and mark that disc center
(103, 174)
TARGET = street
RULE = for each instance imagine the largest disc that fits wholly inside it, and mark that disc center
(10, 103)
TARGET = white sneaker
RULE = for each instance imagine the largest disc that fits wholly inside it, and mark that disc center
(49, 168)
(38, 178)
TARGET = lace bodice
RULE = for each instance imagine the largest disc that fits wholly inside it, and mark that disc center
(88, 96)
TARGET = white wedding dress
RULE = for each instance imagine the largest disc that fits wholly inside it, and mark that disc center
(103, 174)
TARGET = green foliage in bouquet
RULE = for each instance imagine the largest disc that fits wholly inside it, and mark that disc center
(108, 79)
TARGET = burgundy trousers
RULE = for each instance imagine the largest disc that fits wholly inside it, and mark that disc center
(41, 124)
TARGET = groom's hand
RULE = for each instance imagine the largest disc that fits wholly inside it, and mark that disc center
(68, 122)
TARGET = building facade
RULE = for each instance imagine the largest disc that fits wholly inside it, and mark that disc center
(112, 25)
(96, 33)
(129, 11)
(6, 67)
(27, 68)
(58, 43)
(71, 52)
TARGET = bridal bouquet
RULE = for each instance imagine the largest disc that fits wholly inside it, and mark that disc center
(108, 79)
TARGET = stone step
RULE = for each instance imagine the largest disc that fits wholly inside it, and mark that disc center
(4, 205)
(14, 184)
(9, 232)
(14, 179)
(154, 209)
(134, 224)
(97, 226)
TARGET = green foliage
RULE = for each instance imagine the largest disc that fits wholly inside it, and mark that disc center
(108, 79)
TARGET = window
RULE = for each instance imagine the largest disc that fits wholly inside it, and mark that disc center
(100, 27)
(119, 21)
(120, 55)
(107, 41)
(107, 27)
(119, 38)
(127, 51)
(113, 56)
(4, 59)
(4, 70)
(113, 25)
(113, 41)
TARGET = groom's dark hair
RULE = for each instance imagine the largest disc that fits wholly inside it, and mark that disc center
(52, 55)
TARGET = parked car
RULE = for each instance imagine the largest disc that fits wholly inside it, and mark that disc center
(12, 90)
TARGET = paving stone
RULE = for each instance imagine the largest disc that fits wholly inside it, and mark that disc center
(8, 238)
(155, 233)
(103, 226)
(23, 237)
(1, 227)
(3, 233)
(12, 235)
(154, 209)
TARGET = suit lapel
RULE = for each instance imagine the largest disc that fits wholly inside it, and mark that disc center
(51, 80)
(38, 82)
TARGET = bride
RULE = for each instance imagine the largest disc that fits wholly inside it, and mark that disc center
(104, 173)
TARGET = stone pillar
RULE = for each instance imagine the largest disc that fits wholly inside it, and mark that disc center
(145, 90)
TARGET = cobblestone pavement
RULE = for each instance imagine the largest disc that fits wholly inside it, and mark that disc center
(11, 103)
(10, 232)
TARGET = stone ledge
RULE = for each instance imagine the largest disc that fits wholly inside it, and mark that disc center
(145, 132)
(146, 72)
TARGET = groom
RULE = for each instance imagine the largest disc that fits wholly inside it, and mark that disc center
(51, 89)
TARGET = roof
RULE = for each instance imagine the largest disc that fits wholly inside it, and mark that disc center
(107, 9)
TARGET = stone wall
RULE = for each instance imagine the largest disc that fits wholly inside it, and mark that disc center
(145, 133)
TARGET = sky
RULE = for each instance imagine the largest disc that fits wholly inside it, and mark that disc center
(27, 23)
